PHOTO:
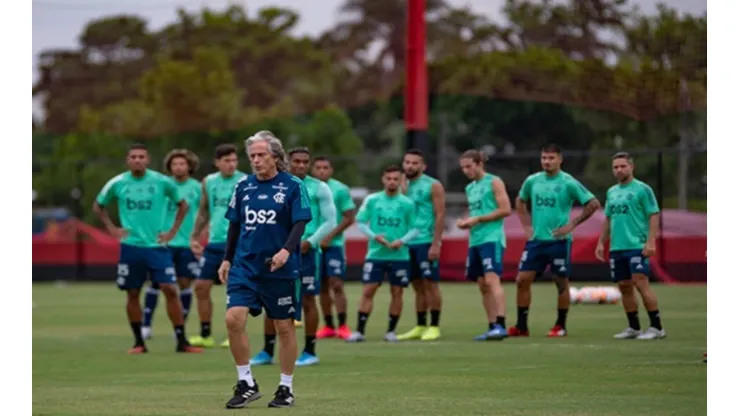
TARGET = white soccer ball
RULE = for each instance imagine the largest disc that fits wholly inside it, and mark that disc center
(574, 295)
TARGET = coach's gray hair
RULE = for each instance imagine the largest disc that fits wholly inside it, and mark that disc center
(274, 145)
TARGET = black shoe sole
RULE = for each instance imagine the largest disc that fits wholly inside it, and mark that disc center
(280, 406)
(254, 397)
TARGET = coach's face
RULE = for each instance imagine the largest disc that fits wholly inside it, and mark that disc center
(391, 181)
(137, 160)
(470, 168)
(622, 169)
(322, 170)
(550, 161)
(299, 163)
(179, 167)
(260, 157)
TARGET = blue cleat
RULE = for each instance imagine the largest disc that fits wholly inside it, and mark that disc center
(496, 334)
(306, 359)
(263, 358)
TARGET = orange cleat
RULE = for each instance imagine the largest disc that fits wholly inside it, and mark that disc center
(189, 349)
(138, 349)
(344, 332)
(557, 331)
(326, 332)
(516, 332)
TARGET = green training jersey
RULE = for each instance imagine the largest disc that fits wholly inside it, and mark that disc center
(390, 216)
(551, 199)
(629, 208)
(323, 213)
(190, 191)
(219, 190)
(420, 191)
(482, 201)
(142, 204)
(343, 203)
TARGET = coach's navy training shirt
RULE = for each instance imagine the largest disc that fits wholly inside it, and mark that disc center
(266, 212)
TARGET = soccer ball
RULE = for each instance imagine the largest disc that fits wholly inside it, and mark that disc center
(595, 295)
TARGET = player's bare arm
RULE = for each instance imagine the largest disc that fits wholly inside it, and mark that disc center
(348, 217)
(589, 209)
(603, 238)
(204, 215)
(182, 210)
(650, 247)
(103, 216)
(524, 217)
(438, 204)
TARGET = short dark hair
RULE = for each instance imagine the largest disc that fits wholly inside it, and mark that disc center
(551, 148)
(138, 146)
(391, 169)
(298, 150)
(415, 152)
(190, 157)
(322, 159)
(477, 156)
(225, 149)
(622, 155)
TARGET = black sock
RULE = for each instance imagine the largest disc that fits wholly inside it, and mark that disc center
(310, 344)
(522, 313)
(180, 334)
(421, 318)
(435, 317)
(562, 316)
(205, 329)
(270, 344)
(501, 320)
(362, 318)
(136, 329)
(655, 319)
(392, 322)
(329, 320)
(633, 320)
(342, 318)
(491, 325)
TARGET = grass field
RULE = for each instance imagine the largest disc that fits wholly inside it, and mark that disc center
(80, 367)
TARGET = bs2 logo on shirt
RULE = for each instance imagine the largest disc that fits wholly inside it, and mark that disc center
(262, 216)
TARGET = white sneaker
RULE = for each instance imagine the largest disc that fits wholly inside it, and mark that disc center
(628, 333)
(390, 337)
(652, 333)
(146, 332)
(355, 337)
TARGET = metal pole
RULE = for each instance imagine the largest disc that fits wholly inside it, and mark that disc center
(416, 96)
(659, 188)
(79, 213)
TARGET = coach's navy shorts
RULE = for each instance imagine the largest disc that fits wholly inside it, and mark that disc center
(374, 271)
(537, 255)
(310, 279)
(186, 265)
(625, 263)
(138, 264)
(484, 258)
(333, 262)
(280, 298)
(419, 264)
(210, 261)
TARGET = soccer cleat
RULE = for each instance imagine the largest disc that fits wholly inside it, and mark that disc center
(557, 331)
(326, 332)
(516, 332)
(138, 349)
(243, 395)
(146, 332)
(355, 337)
(263, 358)
(652, 333)
(415, 333)
(188, 349)
(199, 341)
(225, 344)
(344, 332)
(431, 334)
(390, 337)
(629, 333)
(283, 398)
(298, 324)
(705, 357)
(498, 333)
(306, 359)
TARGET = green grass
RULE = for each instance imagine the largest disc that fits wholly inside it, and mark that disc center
(80, 367)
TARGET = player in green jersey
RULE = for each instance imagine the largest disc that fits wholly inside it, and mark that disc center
(323, 214)
(551, 194)
(429, 196)
(488, 205)
(216, 191)
(142, 196)
(333, 259)
(180, 164)
(388, 219)
(631, 227)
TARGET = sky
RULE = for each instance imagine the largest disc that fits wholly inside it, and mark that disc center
(58, 23)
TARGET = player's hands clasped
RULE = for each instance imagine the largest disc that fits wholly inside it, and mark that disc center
(118, 233)
(649, 249)
(396, 244)
(223, 271)
(599, 253)
(433, 253)
(197, 249)
(164, 238)
(279, 259)
(467, 223)
(305, 246)
(381, 239)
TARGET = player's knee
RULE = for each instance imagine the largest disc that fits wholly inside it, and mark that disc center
(524, 281)
(337, 286)
(485, 286)
(236, 320)
(202, 289)
(132, 295)
(368, 291)
(396, 292)
(184, 283)
(641, 281)
(626, 287)
(168, 290)
(284, 327)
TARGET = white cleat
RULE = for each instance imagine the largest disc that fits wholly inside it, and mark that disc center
(628, 333)
(355, 337)
(652, 333)
(390, 337)
(146, 332)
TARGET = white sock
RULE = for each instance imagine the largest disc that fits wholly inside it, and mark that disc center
(245, 373)
(287, 381)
